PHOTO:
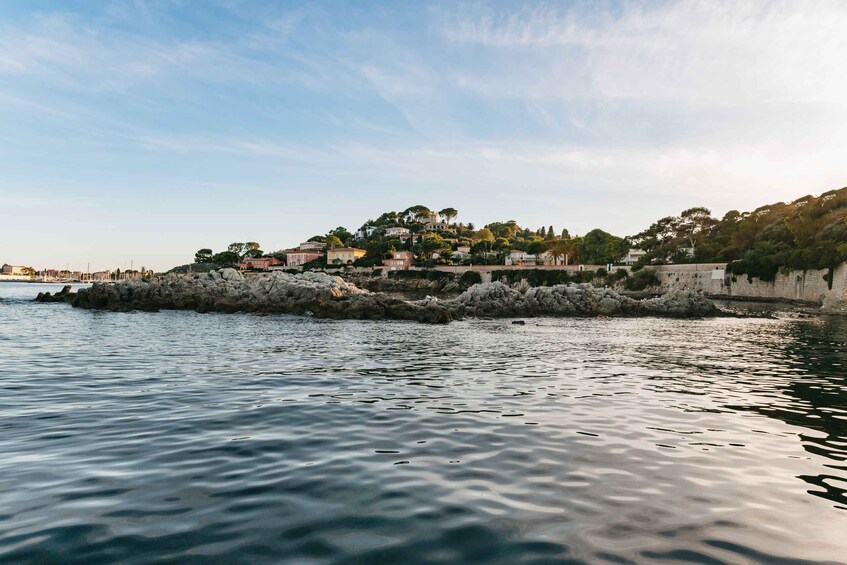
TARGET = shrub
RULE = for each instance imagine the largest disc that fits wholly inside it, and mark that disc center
(470, 278)
(642, 279)
(428, 275)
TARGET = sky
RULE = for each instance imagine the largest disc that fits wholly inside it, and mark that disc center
(136, 132)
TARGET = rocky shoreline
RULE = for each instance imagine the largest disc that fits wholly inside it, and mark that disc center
(326, 296)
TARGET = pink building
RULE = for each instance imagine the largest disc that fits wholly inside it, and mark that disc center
(298, 258)
(259, 263)
(401, 262)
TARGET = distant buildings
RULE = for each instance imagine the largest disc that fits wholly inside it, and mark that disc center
(16, 270)
(311, 246)
(396, 232)
(401, 261)
(633, 255)
(365, 232)
(299, 258)
(259, 263)
(344, 255)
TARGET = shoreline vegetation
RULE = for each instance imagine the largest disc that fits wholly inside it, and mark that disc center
(326, 296)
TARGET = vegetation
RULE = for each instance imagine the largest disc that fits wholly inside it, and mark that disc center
(642, 279)
(808, 233)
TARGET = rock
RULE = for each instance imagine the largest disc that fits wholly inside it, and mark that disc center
(326, 296)
(497, 300)
(64, 295)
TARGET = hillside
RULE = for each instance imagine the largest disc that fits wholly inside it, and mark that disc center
(808, 233)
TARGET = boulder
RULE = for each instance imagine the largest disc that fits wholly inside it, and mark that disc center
(326, 296)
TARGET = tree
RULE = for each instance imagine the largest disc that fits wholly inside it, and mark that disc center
(253, 253)
(341, 233)
(556, 250)
(566, 234)
(417, 213)
(225, 258)
(237, 248)
(430, 244)
(333, 241)
(542, 232)
(203, 255)
(501, 244)
(536, 247)
(484, 234)
(693, 222)
(600, 247)
(550, 233)
(448, 214)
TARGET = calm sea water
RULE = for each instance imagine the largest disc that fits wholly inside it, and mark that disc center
(180, 437)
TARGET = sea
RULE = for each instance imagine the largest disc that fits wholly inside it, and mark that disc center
(177, 437)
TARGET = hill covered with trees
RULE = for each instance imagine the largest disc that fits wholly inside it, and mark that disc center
(808, 233)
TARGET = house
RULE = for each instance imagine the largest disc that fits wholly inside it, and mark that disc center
(365, 232)
(16, 270)
(259, 263)
(413, 236)
(518, 257)
(633, 255)
(401, 262)
(440, 226)
(462, 252)
(344, 255)
(311, 246)
(297, 258)
(396, 232)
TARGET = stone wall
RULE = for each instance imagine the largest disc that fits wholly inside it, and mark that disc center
(712, 279)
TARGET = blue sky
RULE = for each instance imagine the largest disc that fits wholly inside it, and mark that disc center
(145, 130)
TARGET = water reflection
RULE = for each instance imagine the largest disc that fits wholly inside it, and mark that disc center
(175, 436)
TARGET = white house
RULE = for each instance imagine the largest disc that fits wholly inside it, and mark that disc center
(633, 255)
(311, 246)
(396, 231)
(365, 232)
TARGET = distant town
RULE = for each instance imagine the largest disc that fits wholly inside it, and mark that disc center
(808, 233)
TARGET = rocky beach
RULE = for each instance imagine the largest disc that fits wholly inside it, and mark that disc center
(326, 296)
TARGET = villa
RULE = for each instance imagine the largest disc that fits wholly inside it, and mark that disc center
(344, 255)
(632, 256)
(311, 246)
(401, 262)
(259, 263)
(396, 232)
(299, 258)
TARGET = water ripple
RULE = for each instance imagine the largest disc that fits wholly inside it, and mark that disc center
(177, 436)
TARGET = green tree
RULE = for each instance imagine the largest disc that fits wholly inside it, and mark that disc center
(430, 244)
(203, 255)
(536, 247)
(484, 234)
(501, 244)
(333, 241)
(237, 248)
(551, 233)
(226, 259)
(341, 233)
(600, 247)
(448, 214)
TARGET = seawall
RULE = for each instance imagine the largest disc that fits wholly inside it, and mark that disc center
(713, 280)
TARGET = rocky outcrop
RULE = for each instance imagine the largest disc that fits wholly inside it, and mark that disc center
(498, 300)
(316, 294)
(327, 296)
(64, 295)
